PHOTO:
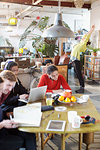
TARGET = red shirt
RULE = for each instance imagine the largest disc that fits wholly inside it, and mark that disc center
(3, 97)
(52, 84)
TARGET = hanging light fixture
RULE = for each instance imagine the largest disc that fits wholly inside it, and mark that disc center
(58, 30)
(79, 3)
(12, 21)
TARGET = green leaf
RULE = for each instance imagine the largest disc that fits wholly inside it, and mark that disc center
(93, 48)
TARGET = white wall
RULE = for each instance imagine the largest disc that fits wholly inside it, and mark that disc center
(95, 19)
(74, 21)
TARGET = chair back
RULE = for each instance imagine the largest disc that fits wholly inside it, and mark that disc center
(61, 60)
(23, 63)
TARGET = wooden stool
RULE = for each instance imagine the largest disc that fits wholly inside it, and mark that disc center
(88, 138)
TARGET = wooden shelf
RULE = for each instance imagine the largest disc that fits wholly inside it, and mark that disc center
(92, 67)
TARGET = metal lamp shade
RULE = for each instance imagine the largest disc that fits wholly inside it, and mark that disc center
(58, 30)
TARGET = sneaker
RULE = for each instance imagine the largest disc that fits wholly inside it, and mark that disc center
(81, 90)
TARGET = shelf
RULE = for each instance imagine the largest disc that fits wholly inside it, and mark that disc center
(88, 62)
(92, 67)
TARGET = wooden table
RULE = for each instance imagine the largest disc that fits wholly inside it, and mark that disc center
(82, 110)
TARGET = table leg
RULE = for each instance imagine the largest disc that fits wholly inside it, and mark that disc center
(50, 135)
(62, 142)
(42, 141)
(80, 141)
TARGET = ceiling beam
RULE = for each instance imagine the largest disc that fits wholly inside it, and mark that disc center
(45, 3)
(35, 2)
(26, 2)
(63, 4)
(23, 11)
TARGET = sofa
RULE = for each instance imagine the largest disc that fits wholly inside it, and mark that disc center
(29, 77)
(30, 73)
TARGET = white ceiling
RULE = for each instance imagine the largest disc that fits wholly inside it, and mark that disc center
(11, 9)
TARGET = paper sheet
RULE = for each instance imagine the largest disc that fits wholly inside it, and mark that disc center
(29, 115)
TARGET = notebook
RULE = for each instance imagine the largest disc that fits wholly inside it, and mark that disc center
(35, 94)
(29, 115)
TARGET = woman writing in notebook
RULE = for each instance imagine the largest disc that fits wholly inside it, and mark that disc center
(53, 80)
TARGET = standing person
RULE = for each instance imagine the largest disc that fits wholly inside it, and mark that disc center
(9, 82)
(53, 80)
(75, 58)
(18, 91)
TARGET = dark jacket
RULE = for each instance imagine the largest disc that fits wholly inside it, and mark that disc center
(1, 114)
(12, 99)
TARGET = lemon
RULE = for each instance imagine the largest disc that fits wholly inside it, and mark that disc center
(67, 100)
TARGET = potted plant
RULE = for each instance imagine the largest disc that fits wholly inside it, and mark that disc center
(46, 46)
(93, 49)
(39, 44)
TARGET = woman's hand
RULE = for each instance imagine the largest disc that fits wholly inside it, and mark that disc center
(93, 27)
(24, 96)
(8, 124)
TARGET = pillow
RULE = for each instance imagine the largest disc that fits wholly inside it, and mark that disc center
(34, 82)
(56, 60)
(38, 64)
(64, 59)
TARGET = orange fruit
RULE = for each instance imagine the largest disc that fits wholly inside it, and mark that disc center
(61, 98)
(73, 99)
(67, 100)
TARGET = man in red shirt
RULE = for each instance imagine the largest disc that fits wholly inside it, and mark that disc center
(53, 80)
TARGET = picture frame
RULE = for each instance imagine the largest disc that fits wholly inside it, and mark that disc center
(56, 125)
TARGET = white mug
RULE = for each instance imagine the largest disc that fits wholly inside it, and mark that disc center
(71, 115)
(77, 120)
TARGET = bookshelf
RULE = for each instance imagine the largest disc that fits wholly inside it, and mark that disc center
(92, 67)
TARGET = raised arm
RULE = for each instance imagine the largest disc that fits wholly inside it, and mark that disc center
(87, 36)
(92, 29)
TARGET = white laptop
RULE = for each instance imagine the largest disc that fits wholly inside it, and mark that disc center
(35, 94)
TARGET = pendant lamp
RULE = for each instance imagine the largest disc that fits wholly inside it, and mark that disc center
(58, 30)
(12, 21)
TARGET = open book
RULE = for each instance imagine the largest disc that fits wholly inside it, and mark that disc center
(29, 115)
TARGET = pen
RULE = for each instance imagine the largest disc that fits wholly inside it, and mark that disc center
(10, 117)
(58, 116)
(48, 115)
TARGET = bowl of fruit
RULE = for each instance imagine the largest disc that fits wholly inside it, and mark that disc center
(67, 98)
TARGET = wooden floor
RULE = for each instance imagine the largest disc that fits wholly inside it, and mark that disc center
(71, 143)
